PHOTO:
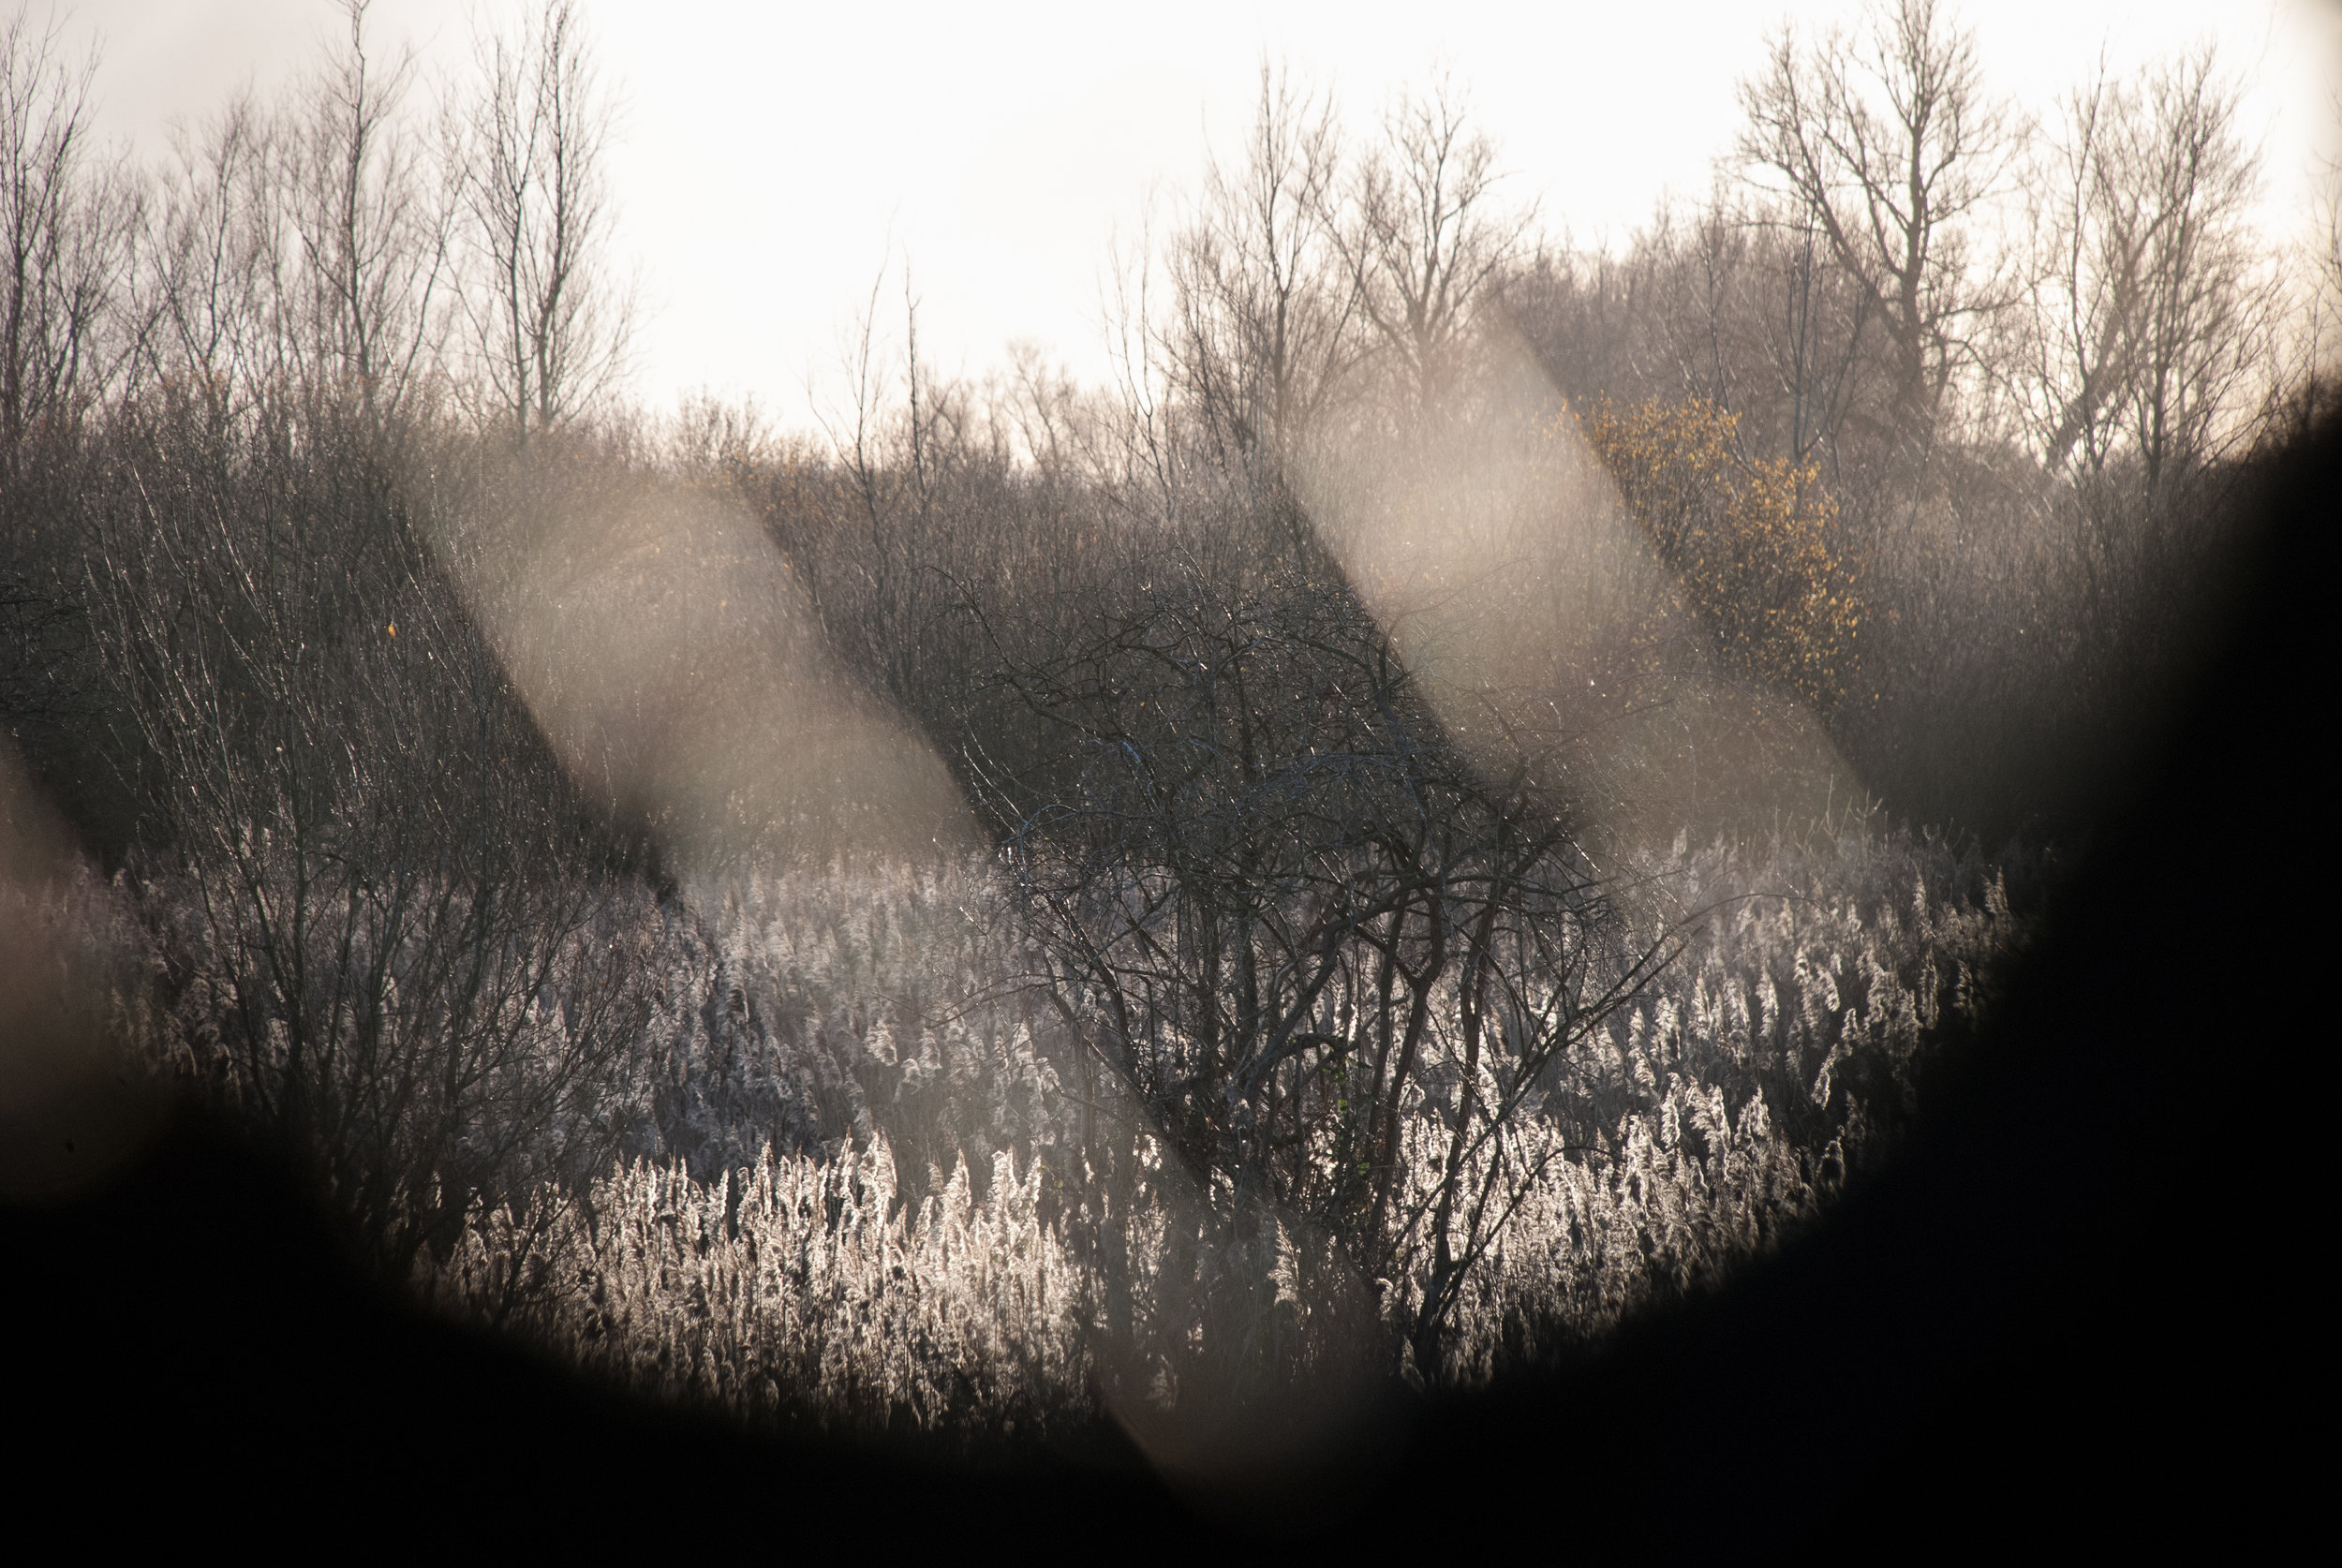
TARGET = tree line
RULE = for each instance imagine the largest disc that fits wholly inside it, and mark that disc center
(349, 240)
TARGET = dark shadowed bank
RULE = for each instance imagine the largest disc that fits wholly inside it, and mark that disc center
(2074, 1301)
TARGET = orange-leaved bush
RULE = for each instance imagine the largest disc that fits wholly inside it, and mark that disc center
(1755, 543)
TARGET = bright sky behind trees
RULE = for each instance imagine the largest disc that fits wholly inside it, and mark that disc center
(773, 158)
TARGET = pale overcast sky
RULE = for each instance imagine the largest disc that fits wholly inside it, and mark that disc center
(774, 157)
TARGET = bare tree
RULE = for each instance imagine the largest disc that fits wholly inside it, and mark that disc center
(2204, 316)
(2150, 314)
(549, 330)
(2086, 265)
(1327, 960)
(1423, 239)
(2311, 388)
(1753, 316)
(1886, 140)
(65, 228)
(897, 462)
(1266, 323)
(2328, 262)
(1816, 324)
(371, 223)
(214, 289)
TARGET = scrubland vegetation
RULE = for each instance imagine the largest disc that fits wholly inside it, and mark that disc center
(1456, 800)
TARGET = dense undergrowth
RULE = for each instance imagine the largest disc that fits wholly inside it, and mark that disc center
(947, 1258)
(863, 1183)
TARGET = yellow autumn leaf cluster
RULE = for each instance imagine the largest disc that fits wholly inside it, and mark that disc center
(1756, 544)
